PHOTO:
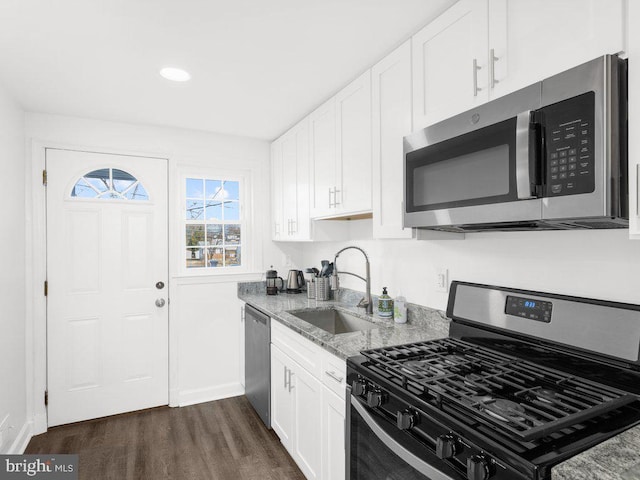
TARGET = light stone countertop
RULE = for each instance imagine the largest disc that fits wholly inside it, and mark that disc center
(615, 459)
(424, 324)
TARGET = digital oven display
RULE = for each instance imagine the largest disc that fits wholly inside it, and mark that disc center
(529, 308)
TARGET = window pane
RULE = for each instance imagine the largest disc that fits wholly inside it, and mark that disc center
(122, 180)
(232, 234)
(215, 257)
(195, 235)
(214, 234)
(195, 188)
(232, 256)
(214, 210)
(231, 190)
(83, 190)
(100, 182)
(136, 192)
(231, 211)
(195, 210)
(195, 257)
(213, 189)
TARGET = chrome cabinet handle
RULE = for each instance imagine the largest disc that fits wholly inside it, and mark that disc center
(290, 385)
(277, 228)
(492, 67)
(333, 376)
(294, 226)
(476, 89)
(160, 302)
(330, 197)
(335, 197)
(285, 377)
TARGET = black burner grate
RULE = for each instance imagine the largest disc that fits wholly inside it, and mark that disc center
(508, 393)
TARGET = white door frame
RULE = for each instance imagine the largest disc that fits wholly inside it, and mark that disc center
(36, 261)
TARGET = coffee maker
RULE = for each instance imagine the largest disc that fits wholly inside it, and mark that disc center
(272, 281)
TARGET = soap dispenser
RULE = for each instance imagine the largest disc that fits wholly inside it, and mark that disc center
(385, 305)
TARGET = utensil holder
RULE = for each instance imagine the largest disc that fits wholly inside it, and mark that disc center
(311, 289)
(323, 288)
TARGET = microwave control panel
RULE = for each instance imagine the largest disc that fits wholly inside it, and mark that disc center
(569, 166)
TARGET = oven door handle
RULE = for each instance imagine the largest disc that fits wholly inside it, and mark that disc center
(523, 139)
(417, 463)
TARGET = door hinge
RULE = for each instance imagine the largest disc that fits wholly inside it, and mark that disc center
(44, 178)
(46, 398)
(46, 288)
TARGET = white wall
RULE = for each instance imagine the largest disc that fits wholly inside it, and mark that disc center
(12, 277)
(599, 264)
(205, 329)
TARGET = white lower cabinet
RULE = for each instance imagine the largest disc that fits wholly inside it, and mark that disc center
(281, 398)
(307, 404)
(333, 439)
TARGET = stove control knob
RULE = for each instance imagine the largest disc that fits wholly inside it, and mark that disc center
(447, 446)
(374, 399)
(406, 419)
(358, 387)
(479, 468)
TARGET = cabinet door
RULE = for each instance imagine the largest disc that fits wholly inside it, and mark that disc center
(391, 117)
(277, 217)
(300, 223)
(322, 131)
(307, 395)
(289, 182)
(353, 140)
(450, 56)
(333, 436)
(532, 40)
(281, 398)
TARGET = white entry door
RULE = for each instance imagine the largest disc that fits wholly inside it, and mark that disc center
(107, 312)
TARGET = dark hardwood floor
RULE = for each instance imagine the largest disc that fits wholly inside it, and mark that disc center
(221, 440)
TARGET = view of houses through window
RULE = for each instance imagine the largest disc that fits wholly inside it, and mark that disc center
(213, 223)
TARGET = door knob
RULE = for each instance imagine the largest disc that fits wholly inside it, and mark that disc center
(160, 302)
(160, 285)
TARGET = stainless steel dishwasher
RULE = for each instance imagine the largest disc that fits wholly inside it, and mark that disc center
(257, 339)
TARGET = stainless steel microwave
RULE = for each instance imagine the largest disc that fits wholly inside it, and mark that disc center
(549, 156)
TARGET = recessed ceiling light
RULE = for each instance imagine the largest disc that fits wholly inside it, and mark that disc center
(175, 74)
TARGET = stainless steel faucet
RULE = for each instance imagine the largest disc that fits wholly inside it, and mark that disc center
(335, 282)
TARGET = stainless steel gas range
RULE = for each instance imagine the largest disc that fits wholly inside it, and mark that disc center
(525, 381)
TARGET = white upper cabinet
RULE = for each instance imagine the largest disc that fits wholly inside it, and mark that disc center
(532, 40)
(450, 63)
(295, 183)
(322, 134)
(277, 216)
(341, 152)
(353, 139)
(391, 121)
(482, 49)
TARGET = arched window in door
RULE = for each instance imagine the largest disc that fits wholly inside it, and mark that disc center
(109, 183)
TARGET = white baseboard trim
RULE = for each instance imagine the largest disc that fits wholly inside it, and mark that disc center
(19, 445)
(208, 394)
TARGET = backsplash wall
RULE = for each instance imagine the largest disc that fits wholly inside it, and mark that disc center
(599, 264)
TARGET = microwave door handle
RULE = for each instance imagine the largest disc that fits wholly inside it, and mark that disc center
(416, 462)
(523, 174)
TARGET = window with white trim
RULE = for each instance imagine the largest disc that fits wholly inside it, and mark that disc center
(109, 183)
(213, 224)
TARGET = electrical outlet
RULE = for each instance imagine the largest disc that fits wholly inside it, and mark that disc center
(287, 261)
(442, 280)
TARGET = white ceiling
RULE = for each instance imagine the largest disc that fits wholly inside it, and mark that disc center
(258, 66)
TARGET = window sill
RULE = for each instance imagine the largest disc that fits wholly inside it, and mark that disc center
(199, 278)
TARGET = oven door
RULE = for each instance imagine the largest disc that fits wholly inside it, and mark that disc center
(378, 450)
(477, 167)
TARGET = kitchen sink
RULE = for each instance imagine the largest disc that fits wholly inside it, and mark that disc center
(334, 321)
